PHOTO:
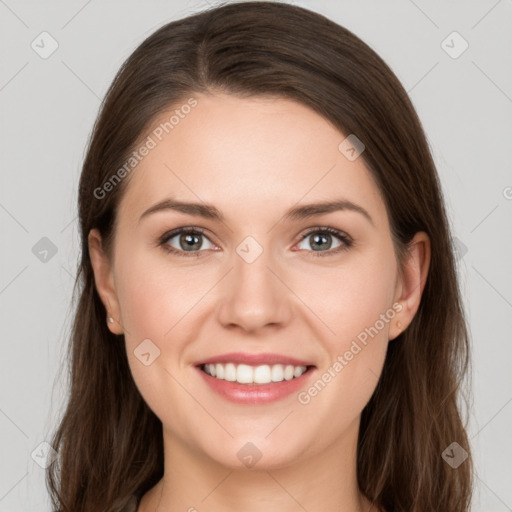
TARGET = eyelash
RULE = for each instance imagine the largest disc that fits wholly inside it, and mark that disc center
(347, 242)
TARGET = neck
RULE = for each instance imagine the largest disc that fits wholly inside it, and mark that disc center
(325, 481)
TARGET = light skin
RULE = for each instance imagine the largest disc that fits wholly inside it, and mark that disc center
(254, 159)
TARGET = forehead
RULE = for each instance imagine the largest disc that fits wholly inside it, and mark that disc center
(254, 154)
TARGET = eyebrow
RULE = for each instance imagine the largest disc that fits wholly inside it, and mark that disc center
(293, 214)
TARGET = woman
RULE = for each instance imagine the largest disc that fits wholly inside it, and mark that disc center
(221, 358)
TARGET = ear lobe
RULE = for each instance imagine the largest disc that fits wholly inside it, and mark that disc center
(414, 277)
(104, 280)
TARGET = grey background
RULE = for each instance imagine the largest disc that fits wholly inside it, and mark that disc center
(48, 109)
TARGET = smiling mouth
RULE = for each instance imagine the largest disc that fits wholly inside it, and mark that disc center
(249, 374)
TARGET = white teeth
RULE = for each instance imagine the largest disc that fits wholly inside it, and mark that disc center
(289, 372)
(277, 373)
(297, 372)
(246, 374)
(262, 374)
(230, 372)
(219, 371)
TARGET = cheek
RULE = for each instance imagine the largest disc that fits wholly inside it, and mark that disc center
(154, 294)
(355, 303)
(151, 302)
(350, 304)
(351, 297)
(158, 302)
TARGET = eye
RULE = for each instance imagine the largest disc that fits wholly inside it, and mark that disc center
(187, 240)
(323, 239)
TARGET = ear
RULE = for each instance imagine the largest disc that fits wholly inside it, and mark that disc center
(412, 281)
(104, 281)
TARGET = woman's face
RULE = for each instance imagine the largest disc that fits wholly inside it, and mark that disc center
(257, 281)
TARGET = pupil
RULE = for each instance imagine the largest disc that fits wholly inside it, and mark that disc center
(191, 241)
(316, 238)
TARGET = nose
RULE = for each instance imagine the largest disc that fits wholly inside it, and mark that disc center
(254, 295)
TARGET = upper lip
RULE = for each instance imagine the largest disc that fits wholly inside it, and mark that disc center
(254, 359)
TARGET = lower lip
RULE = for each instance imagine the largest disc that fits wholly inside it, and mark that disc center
(255, 393)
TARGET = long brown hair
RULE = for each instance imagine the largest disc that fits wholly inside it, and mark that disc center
(109, 442)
